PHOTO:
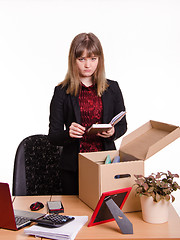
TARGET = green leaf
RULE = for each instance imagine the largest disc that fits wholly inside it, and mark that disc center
(145, 185)
(158, 197)
(167, 197)
(173, 198)
(151, 189)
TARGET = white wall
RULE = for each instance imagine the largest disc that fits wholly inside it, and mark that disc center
(142, 52)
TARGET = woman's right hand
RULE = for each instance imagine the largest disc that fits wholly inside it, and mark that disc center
(76, 130)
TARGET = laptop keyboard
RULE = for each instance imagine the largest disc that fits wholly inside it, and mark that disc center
(20, 220)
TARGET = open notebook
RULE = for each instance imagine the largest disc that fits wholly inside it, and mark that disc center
(99, 128)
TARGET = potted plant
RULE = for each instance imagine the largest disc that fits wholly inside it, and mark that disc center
(155, 193)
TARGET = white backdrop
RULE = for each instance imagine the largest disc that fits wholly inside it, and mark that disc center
(140, 39)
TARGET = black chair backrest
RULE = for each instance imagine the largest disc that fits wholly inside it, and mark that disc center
(37, 169)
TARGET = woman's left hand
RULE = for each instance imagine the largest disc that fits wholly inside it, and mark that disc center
(107, 134)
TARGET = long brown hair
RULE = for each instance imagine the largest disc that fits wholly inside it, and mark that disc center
(89, 42)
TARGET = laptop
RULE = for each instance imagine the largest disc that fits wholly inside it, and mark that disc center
(10, 218)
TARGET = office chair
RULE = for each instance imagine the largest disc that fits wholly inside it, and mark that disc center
(37, 168)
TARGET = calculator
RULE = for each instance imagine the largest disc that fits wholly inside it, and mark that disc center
(53, 220)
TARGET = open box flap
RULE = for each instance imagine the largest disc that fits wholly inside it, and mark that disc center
(98, 157)
(149, 139)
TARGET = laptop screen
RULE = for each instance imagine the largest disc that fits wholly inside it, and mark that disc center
(7, 219)
(8, 214)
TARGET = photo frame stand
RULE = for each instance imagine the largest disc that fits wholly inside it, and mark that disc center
(122, 221)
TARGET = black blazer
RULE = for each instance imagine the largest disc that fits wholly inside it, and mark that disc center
(64, 109)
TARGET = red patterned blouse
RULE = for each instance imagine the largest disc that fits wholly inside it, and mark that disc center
(91, 112)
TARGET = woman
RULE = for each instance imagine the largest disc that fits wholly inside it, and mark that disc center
(84, 97)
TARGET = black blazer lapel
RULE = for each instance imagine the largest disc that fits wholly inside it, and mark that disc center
(105, 103)
(75, 103)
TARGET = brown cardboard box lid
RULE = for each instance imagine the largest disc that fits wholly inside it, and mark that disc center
(149, 139)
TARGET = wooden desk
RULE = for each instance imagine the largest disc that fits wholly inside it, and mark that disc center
(109, 231)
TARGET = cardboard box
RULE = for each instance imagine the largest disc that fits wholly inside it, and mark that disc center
(95, 177)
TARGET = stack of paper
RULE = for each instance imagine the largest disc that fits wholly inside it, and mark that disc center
(67, 231)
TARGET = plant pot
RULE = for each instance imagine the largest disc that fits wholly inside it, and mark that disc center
(154, 212)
